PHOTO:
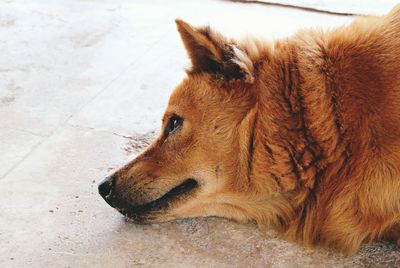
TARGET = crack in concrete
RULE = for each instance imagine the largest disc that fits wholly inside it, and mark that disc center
(25, 131)
(125, 136)
(22, 160)
(66, 122)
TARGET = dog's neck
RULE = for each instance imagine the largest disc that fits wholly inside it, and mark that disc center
(325, 121)
(313, 98)
(294, 142)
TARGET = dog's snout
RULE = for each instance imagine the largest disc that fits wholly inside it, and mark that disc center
(106, 189)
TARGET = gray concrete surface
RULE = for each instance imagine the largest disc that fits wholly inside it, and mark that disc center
(83, 84)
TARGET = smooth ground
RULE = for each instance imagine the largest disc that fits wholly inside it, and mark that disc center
(83, 85)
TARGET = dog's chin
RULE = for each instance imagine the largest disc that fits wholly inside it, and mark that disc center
(156, 210)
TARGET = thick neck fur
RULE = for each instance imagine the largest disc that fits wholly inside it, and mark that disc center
(317, 99)
(297, 140)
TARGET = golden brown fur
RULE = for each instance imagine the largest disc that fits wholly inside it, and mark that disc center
(302, 135)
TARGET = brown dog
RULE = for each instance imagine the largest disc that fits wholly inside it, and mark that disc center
(302, 135)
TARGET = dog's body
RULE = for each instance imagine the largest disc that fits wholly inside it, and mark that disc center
(302, 135)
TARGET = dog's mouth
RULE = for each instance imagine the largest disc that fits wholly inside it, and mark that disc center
(142, 212)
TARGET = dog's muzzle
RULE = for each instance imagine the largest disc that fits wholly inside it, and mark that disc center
(106, 190)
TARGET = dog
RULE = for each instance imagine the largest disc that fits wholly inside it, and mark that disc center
(301, 135)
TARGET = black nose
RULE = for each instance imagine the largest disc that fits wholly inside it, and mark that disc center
(106, 188)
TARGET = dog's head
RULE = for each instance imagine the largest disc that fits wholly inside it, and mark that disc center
(200, 163)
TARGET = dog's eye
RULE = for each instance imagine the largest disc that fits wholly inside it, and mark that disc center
(175, 122)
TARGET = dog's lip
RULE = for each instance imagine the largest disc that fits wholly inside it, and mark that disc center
(139, 212)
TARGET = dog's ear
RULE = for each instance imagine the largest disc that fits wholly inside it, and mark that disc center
(211, 53)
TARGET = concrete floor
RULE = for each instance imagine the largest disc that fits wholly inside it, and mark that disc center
(83, 85)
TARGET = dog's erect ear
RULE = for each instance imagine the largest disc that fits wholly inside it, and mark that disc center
(211, 53)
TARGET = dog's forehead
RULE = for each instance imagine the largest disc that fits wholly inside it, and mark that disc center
(193, 89)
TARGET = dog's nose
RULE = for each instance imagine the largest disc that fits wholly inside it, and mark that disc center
(106, 189)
